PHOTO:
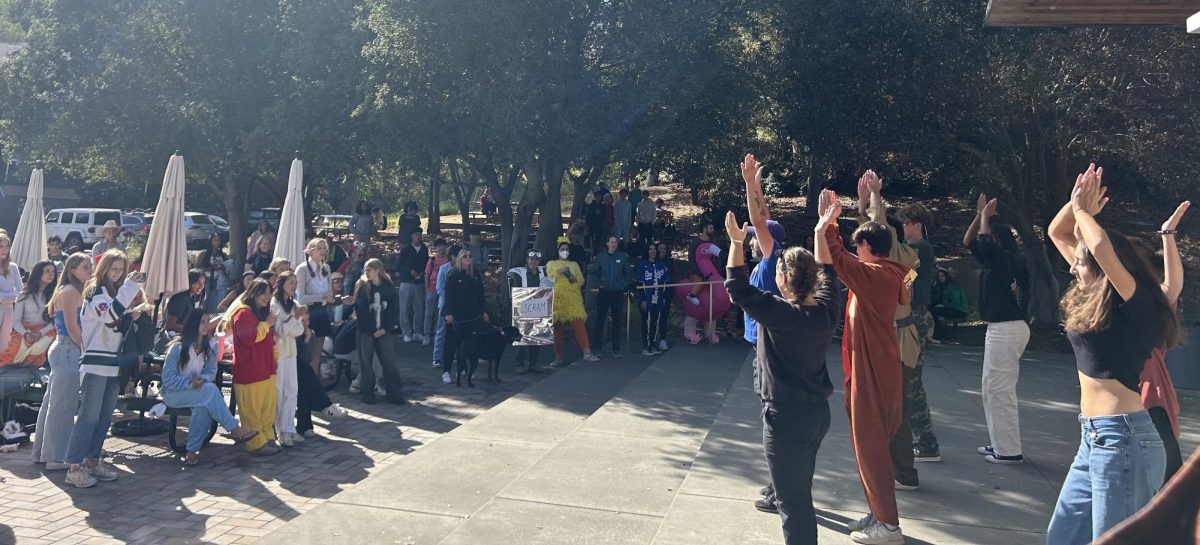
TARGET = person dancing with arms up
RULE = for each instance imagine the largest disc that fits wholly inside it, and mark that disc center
(794, 332)
(1115, 314)
(870, 361)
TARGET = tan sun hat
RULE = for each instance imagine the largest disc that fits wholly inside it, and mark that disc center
(110, 224)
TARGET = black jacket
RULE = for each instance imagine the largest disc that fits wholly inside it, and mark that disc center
(364, 296)
(464, 296)
(412, 260)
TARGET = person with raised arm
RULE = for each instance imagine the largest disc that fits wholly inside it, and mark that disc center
(1116, 314)
(792, 380)
(870, 357)
(1003, 304)
(871, 208)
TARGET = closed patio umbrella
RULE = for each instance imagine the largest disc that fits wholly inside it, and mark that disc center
(165, 259)
(289, 243)
(29, 243)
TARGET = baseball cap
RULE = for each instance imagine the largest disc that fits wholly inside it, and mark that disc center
(777, 231)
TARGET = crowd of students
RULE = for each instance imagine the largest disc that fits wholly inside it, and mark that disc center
(87, 317)
(1119, 316)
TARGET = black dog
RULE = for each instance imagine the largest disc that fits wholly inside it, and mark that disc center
(487, 344)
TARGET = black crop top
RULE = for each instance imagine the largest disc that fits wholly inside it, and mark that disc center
(1119, 351)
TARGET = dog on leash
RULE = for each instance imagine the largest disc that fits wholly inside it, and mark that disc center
(488, 344)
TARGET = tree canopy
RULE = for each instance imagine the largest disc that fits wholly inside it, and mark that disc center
(401, 97)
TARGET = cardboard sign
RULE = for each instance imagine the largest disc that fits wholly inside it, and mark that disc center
(533, 315)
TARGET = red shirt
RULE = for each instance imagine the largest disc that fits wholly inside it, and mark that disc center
(253, 348)
(1157, 388)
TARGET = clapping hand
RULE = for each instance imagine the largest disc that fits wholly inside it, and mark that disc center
(984, 207)
(873, 181)
(830, 209)
(1089, 192)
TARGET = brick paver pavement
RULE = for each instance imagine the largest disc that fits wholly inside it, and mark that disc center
(232, 497)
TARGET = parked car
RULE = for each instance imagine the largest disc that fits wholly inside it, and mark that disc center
(133, 223)
(198, 228)
(80, 227)
(270, 215)
(222, 227)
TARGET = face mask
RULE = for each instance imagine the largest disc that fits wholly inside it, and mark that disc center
(564, 254)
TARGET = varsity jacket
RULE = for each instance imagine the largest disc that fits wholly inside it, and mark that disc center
(100, 318)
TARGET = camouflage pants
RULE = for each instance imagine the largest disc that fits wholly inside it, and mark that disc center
(914, 389)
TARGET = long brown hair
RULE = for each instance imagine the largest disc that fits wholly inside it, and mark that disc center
(257, 287)
(801, 272)
(384, 278)
(67, 278)
(1088, 307)
(286, 302)
(100, 276)
(6, 263)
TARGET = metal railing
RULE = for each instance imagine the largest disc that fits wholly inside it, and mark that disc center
(628, 308)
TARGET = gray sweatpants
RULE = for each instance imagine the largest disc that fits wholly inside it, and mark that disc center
(412, 309)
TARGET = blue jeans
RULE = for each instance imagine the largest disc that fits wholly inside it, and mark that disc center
(1118, 468)
(207, 404)
(440, 336)
(96, 404)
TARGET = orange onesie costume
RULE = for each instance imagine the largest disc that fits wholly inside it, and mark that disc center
(870, 361)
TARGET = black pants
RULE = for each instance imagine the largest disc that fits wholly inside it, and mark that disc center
(456, 333)
(368, 345)
(943, 315)
(791, 437)
(608, 302)
(310, 394)
(901, 445)
(1162, 423)
(645, 232)
(597, 236)
(650, 327)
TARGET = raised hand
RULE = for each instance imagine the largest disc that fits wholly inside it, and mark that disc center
(873, 181)
(736, 234)
(864, 194)
(752, 172)
(981, 203)
(1172, 222)
(831, 210)
(1089, 192)
(989, 209)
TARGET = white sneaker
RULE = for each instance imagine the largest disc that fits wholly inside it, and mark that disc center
(285, 439)
(446, 378)
(296, 438)
(591, 357)
(310, 433)
(662, 345)
(57, 466)
(647, 352)
(354, 389)
(878, 534)
(408, 338)
(437, 363)
(103, 472)
(860, 524)
(81, 478)
(380, 392)
(427, 342)
(334, 411)
(417, 337)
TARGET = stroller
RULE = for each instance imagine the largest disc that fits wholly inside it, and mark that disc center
(344, 351)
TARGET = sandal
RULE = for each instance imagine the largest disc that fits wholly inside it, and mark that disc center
(239, 439)
(192, 458)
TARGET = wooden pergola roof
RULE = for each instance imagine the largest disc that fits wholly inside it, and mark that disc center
(1166, 13)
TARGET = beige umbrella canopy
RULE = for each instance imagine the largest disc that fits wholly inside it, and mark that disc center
(289, 243)
(165, 259)
(29, 244)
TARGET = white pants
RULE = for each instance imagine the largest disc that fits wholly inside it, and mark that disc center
(412, 309)
(286, 388)
(1002, 349)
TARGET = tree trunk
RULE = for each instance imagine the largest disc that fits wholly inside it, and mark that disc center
(531, 201)
(350, 196)
(813, 191)
(236, 200)
(550, 226)
(435, 203)
(1043, 284)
